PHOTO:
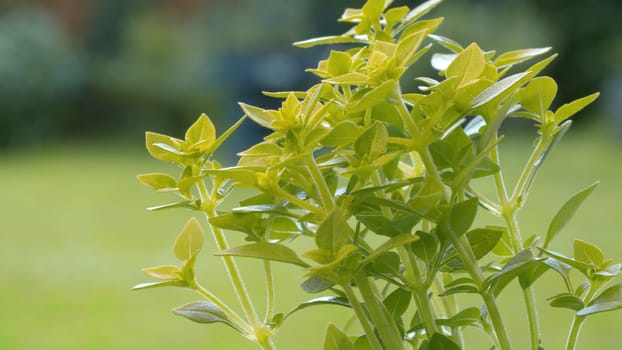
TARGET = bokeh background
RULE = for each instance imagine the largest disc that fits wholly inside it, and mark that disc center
(81, 80)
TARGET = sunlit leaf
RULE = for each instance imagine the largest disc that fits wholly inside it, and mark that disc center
(567, 301)
(266, 251)
(335, 339)
(588, 253)
(568, 110)
(518, 56)
(566, 212)
(189, 241)
(201, 135)
(610, 299)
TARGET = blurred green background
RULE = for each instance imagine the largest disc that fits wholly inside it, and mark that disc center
(81, 80)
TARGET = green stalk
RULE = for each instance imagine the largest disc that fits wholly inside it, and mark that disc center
(575, 330)
(577, 321)
(235, 318)
(270, 295)
(509, 210)
(368, 327)
(232, 269)
(320, 184)
(419, 291)
(297, 201)
(468, 258)
(385, 325)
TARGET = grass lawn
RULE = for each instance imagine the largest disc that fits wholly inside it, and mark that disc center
(75, 235)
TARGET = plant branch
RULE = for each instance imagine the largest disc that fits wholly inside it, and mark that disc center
(230, 265)
(224, 307)
(467, 256)
(509, 210)
(387, 329)
(326, 196)
(368, 327)
(270, 295)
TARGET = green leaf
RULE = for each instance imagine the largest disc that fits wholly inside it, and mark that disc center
(336, 340)
(515, 267)
(341, 135)
(189, 241)
(563, 129)
(579, 265)
(225, 135)
(440, 341)
(567, 301)
(462, 289)
(378, 95)
(498, 90)
(462, 215)
(243, 177)
(333, 233)
(332, 39)
(349, 79)
(166, 148)
(260, 116)
(373, 9)
(164, 272)
(157, 181)
(169, 283)
(201, 135)
(610, 299)
(588, 253)
(316, 284)
(362, 343)
(326, 300)
(447, 43)
(468, 65)
(397, 302)
(266, 251)
(386, 263)
(465, 317)
(419, 12)
(568, 110)
(407, 47)
(483, 240)
(538, 95)
(242, 222)
(518, 56)
(532, 273)
(372, 142)
(394, 242)
(189, 204)
(204, 312)
(426, 247)
(339, 63)
(566, 212)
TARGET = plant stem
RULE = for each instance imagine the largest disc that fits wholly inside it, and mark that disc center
(374, 342)
(385, 325)
(577, 321)
(419, 291)
(326, 196)
(509, 210)
(224, 307)
(575, 329)
(467, 256)
(296, 201)
(270, 295)
(230, 265)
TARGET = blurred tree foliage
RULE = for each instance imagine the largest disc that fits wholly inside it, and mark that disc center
(158, 64)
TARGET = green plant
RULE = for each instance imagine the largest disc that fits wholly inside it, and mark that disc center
(384, 184)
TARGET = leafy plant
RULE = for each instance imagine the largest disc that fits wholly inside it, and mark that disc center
(382, 184)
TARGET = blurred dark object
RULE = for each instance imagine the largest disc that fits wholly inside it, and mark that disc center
(41, 76)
